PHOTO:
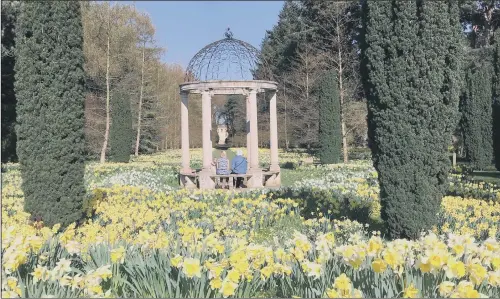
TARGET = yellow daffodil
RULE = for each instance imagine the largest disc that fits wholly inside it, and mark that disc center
(176, 261)
(228, 288)
(118, 255)
(446, 288)
(342, 282)
(332, 293)
(379, 265)
(191, 267)
(216, 283)
(410, 292)
(477, 273)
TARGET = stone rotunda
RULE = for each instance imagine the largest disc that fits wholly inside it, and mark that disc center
(226, 67)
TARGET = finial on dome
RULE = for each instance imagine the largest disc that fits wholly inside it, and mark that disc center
(228, 33)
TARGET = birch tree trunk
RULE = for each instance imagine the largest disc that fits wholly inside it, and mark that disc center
(139, 114)
(106, 132)
(341, 89)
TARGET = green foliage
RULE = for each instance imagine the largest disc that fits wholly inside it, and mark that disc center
(280, 45)
(332, 205)
(10, 11)
(235, 113)
(467, 186)
(411, 67)
(50, 91)
(330, 134)
(496, 102)
(121, 134)
(496, 133)
(477, 116)
(149, 141)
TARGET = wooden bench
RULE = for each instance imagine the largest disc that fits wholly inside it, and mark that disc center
(232, 176)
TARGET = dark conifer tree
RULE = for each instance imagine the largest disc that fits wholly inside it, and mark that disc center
(121, 135)
(476, 109)
(50, 91)
(9, 16)
(330, 134)
(410, 68)
(496, 133)
(496, 101)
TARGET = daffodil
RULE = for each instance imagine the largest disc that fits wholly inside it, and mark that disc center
(176, 261)
(216, 283)
(477, 273)
(410, 292)
(446, 288)
(342, 282)
(118, 255)
(228, 288)
(379, 265)
(191, 267)
(332, 293)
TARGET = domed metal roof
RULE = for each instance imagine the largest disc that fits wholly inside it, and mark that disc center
(225, 59)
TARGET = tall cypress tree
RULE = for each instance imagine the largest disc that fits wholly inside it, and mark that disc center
(477, 115)
(496, 101)
(9, 16)
(121, 132)
(410, 64)
(496, 133)
(50, 91)
(330, 134)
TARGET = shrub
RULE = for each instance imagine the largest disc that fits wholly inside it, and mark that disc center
(330, 135)
(121, 133)
(50, 91)
(411, 77)
(477, 116)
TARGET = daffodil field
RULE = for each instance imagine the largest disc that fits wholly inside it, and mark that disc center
(317, 236)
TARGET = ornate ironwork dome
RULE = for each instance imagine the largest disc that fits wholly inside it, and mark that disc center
(225, 59)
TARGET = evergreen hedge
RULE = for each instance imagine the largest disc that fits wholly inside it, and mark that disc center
(121, 135)
(9, 15)
(496, 133)
(411, 64)
(330, 134)
(496, 102)
(476, 106)
(50, 91)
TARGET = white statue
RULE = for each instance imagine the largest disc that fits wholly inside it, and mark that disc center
(222, 131)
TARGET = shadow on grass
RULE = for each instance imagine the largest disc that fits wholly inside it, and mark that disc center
(312, 202)
(487, 174)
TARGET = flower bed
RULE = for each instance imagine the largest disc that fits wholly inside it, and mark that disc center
(143, 238)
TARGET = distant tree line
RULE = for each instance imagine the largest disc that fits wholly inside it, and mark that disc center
(122, 64)
(313, 37)
(421, 72)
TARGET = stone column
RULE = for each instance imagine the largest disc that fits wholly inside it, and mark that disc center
(247, 125)
(254, 130)
(185, 133)
(256, 179)
(273, 122)
(206, 105)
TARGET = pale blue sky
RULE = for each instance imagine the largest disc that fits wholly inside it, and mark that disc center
(184, 27)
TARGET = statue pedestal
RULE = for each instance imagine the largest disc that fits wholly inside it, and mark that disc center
(222, 132)
(222, 147)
